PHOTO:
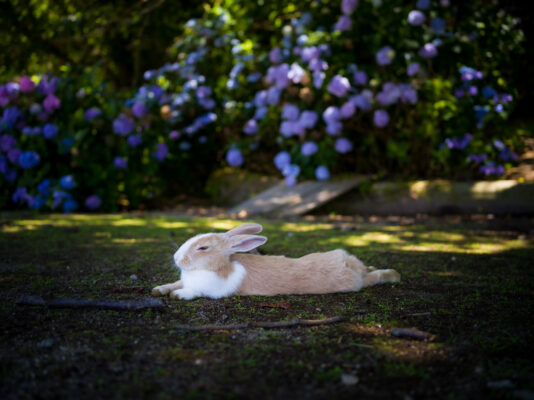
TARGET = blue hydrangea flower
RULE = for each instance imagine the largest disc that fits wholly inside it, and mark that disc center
(423, 4)
(438, 25)
(429, 50)
(339, 85)
(343, 145)
(260, 113)
(318, 79)
(134, 140)
(28, 159)
(275, 55)
(360, 78)
(70, 205)
(67, 182)
(92, 113)
(413, 69)
(44, 187)
(459, 142)
(273, 96)
(120, 163)
(309, 148)
(322, 173)
(255, 77)
(234, 158)
(344, 23)
(139, 110)
(381, 118)
(348, 6)
(10, 117)
(348, 109)
(331, 115)
(478, 158)
(161, 152)
(308, 119)
(122, 125)
(282, 159)
(488, 92)
(290, 112)
(260, 99)
(416, 18)
(7, 142)
(296, 73)
(93, 202)
(334, 128)
(385, 56)
(50, 131)
(251, 127)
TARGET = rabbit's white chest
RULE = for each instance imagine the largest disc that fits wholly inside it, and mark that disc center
(209, 284)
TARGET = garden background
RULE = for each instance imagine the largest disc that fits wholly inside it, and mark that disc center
(114, 106)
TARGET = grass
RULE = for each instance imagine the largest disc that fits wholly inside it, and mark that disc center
(467, 282)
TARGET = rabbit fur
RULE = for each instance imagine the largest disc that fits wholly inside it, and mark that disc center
(210, 267)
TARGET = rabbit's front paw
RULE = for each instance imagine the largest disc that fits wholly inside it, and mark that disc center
(184, 294)
(159, 291)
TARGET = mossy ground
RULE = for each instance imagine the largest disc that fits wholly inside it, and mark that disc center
(468, 282)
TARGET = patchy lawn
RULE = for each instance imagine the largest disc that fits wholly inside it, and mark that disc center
(469, 283)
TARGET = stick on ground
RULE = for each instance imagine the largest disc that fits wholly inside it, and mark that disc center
(120, 305)
(266, 325)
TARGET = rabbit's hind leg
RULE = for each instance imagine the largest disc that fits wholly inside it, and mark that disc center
(381, 276)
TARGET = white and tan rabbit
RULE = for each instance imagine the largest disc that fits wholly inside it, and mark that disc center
(210, 268)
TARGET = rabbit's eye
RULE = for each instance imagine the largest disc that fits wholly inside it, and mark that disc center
(202, 248)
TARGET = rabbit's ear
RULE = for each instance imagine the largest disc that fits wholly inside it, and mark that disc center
(244, 243)
(245, 229)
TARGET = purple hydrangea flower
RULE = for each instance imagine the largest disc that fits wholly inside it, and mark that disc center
(278, 75)
(161, 152)
(348, 6)
(275, 55)
(120, 163)
(339, 85)
(50, 131)
(122, 125)
(3, 164)
(28, 159)
(459, 142)
(51, 103)
(478, 158)
(428, 51)
(334, 128)
(331, 114)
(360, 78)
(291, 170)
(134, 140)
(139, 110)
(309, 148)
(459, 93)
(273, 96)
(296, 73)
(203, 92)
(7, 142)
(260, 99)
(251, 127)
(282, 159)
(317, 65)
(344, 23)
(93, 202)
(290, 112)
(348, 109)
(234, 158)
(14, 155)
(416, 18)
(260, 113)
(92, 113)
(318, 78)
(385, 56)
(413, 69)
(290, 128)
(310, 53)
(343, 145)
(174, 135)
(363, 100)
(26, 84)
(473, 90)
(490, 168)
(381, 118)
(407, 93)
(47, 86)
(389, 95)
(308, 119)
(322, 173)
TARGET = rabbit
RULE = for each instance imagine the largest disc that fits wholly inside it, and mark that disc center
(210, 267)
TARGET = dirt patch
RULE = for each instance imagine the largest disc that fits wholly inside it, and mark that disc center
(467, 282)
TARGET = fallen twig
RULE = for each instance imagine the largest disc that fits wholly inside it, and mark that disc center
(410, 333)
(128, 305)
(266, 325)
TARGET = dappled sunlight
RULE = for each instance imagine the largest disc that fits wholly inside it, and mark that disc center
(299, 227)
(130, 222)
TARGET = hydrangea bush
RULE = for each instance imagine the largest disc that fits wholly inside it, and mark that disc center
(418, 89)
